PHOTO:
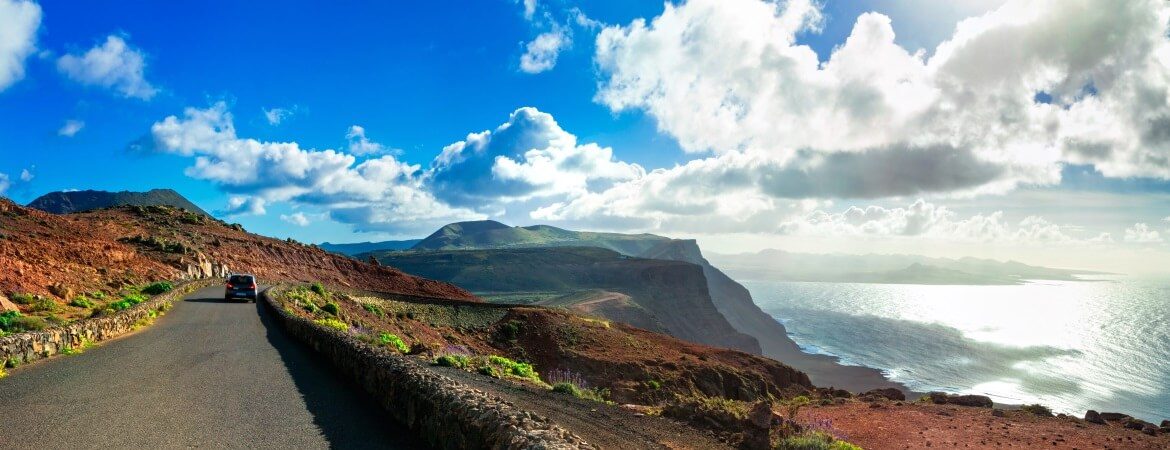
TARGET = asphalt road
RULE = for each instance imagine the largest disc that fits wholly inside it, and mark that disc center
(207, 374)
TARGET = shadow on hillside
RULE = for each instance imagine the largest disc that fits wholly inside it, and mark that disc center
(346, 417)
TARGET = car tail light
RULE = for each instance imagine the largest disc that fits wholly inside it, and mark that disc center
(229, 285)
(252, 286)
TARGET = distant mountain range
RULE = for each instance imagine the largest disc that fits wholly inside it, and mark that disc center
(891, 269)
(356, 248)
(65, 202)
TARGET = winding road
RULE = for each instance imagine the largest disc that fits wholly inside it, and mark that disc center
(207, 374)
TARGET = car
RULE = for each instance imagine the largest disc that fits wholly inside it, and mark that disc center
(241, 285)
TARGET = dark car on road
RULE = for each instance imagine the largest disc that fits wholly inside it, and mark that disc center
(241, 286)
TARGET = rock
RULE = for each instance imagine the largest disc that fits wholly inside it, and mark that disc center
(62, 291)
(887, 393)
(841, 393)
(1150, 429)
(1136, 424)
(1164, 430)
(937, 397)
(1094, 417)
(761, 415)
(1113, 417)
(1166, 424)
(981, 401)
(7, 305)
(997, 412)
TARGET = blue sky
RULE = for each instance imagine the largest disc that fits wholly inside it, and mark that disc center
(417, 77)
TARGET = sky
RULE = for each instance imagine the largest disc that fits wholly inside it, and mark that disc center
(1034, 130)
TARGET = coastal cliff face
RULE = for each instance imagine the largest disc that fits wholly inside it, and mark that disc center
(670, 296)
(732, 300)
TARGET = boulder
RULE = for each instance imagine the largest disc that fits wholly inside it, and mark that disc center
(1094, 417)
(887, 393)
(1166, 424)
(937, 397)
(1136, 424)
(1113, 416)
(997, 412)
(981, 401)
(62, 291)
(1150, 429)
(7, 305)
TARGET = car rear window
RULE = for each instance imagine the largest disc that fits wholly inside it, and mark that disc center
(240, 279)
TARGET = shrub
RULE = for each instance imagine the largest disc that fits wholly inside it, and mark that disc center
(44, 304)
(98, 295)
(654, 384)
(11, 363)
(333, 323)
(25, 323)
(566, 388)
(3, 373)
(510, 330)
(7, 318)
(23, 299)
(513, 368)
(317, 288)
(157, 288)
(792, 405)
(331, 308)
(81, 302)
(456, 361)
(489, 371)
(1038, 409)
(814, 441)
(375, 309)
(387, 339)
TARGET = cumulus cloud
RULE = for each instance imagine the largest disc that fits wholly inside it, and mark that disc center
(529, 8)
(112, 65)
(528, 156)
(359, 144)
(298, 219)
(5, 183)
(1140, 233)
(377, 194)
(245, 205)
(26, 175)
(275, 116)
(729, 77)
(70, 128)
(541, 53)
(19, 21)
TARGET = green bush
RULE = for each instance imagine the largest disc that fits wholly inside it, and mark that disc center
(814, 441)
(6, 319)
(375, 309)
(81, 302)
(23, 299)
(157, 288)
(14, 322)
(489, 371)
(318, 288)
(517, 369)
(566, 388)
(333, 323)
(44, 304)
(793, 405)
(1038, 409)
(331, 308)
(654, 384)
(98, 295)
(387, 339)
(456, 361)
(510, 330)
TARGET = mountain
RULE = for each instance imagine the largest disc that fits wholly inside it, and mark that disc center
(104, 250)
(894, 269)
(657, 295)
(355, 248)
(65, 202)
(492, 234)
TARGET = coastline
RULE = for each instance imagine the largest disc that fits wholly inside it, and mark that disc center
(827, 370)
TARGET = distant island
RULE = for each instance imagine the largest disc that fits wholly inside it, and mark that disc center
(779, 265)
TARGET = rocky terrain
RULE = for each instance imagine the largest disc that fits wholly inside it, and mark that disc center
(64, 202)
(50, 260)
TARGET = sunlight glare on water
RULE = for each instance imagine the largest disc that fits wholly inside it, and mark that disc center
(1071, 345)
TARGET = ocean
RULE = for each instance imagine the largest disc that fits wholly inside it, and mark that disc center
(1070, 345)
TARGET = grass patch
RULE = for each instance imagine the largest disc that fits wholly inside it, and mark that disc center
(814, 441)
(374, 309)
(335, 324)
(81, 301)
(23, 298)
(390, 340)
(160, 287)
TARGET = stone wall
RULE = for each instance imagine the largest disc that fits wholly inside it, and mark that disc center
(445, 413)
(23, 348)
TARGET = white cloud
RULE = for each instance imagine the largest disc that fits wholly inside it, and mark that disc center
(26, 175)
(529, 8)
(5, 183)
(729, 77)
(275, 116)
(70, 128)
(298, 219)
(1140, 233)
(377, 194)
(529, 156)
(541, 53)
(359, 144)
(112, 65)
(245, 205)
(19, 21)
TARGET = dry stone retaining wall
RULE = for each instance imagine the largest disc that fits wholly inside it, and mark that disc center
(26, 347)
(445, 413)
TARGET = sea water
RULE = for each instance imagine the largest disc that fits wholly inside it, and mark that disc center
(1070, 345)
